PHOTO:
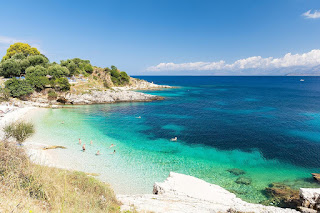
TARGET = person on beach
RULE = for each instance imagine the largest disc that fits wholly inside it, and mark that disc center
(98, 153)
(79, 141)
(112, 145)
(84, 147)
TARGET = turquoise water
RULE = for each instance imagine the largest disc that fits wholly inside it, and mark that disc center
(268, 127)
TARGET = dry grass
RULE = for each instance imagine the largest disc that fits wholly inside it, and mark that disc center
(27, 187)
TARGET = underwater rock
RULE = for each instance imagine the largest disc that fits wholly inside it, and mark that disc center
(236, 171)
(316, 176)
(243, 180)
(283, 195)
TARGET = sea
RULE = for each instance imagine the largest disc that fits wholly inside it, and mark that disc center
(267, 127)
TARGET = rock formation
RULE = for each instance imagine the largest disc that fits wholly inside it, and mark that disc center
(183, 193)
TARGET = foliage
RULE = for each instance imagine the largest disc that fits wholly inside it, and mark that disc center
(4, 94)
(19, 131)
(19, 47)
(10, 68)
(38, 60)
(118, 78)
(57, 71)
(52, 95)
(36, 71)
(34, 188)
(18, 88)
(77, 66)
(38, 82)
(62, 84)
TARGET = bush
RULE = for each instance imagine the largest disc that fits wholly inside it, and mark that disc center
(4, 94)
(38, 82)
(52, 95)
(10, 68)
(18, 88)
(62, 84)
(57, 71)
(19, 131)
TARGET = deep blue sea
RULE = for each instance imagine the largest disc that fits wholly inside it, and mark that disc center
(269, 127)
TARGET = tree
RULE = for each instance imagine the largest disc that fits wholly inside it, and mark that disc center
(63, 84)
(88, 68)
(10, 68)
(72, 67)
(124, 78)
(57, 71)
(19, 47)
(36, 71)
(38, 82)
(38, 60)
(18, 88)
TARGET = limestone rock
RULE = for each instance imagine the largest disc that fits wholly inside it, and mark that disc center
(310, 198)
(316, 176)
(184, 193)
(284, 195)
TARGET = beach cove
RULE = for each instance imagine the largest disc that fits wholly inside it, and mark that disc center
(143, 158)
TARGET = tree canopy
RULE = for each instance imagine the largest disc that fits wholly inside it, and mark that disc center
(18, 88)
(19, 47)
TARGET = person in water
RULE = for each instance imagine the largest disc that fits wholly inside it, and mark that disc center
(98, 153)
(114, 152)
(90, 142)
(79, 141)
(112, 145)
(84, 147)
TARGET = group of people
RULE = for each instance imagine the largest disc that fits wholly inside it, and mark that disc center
(98, 152)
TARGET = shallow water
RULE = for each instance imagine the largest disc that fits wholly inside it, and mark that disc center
(267, 126)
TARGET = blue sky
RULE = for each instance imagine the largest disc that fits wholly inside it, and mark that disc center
(194, 37)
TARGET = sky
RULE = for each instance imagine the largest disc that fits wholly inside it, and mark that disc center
(171, 37)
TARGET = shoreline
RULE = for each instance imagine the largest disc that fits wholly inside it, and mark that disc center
(142, 201)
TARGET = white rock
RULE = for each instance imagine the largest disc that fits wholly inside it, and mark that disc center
(310, 197)
(184, 193)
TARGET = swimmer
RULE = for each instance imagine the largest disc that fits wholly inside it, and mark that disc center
(90, 142)
(84, 147)
(114, 152)
(112, 145)
(98, 153)
(79, 141)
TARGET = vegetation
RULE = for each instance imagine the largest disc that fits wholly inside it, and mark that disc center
(52, 95)
(19, 131)
(19, 47)
(77, 66)
(36, 73)
(118, 78)
(27, 187)
(18, 88)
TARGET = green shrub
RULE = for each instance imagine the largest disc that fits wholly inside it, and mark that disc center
(57, 71)
(19, 131)
(52, 95)
(18, 88)
(4, 94)
(62, 84)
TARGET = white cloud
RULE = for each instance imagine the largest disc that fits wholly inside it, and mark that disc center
(309, 59)
(8, 40)
(5, 42)
(309, 14)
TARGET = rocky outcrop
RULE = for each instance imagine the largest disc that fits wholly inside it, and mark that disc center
(316, 176)
(310, 198)
(109, 96)
(183, 193)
